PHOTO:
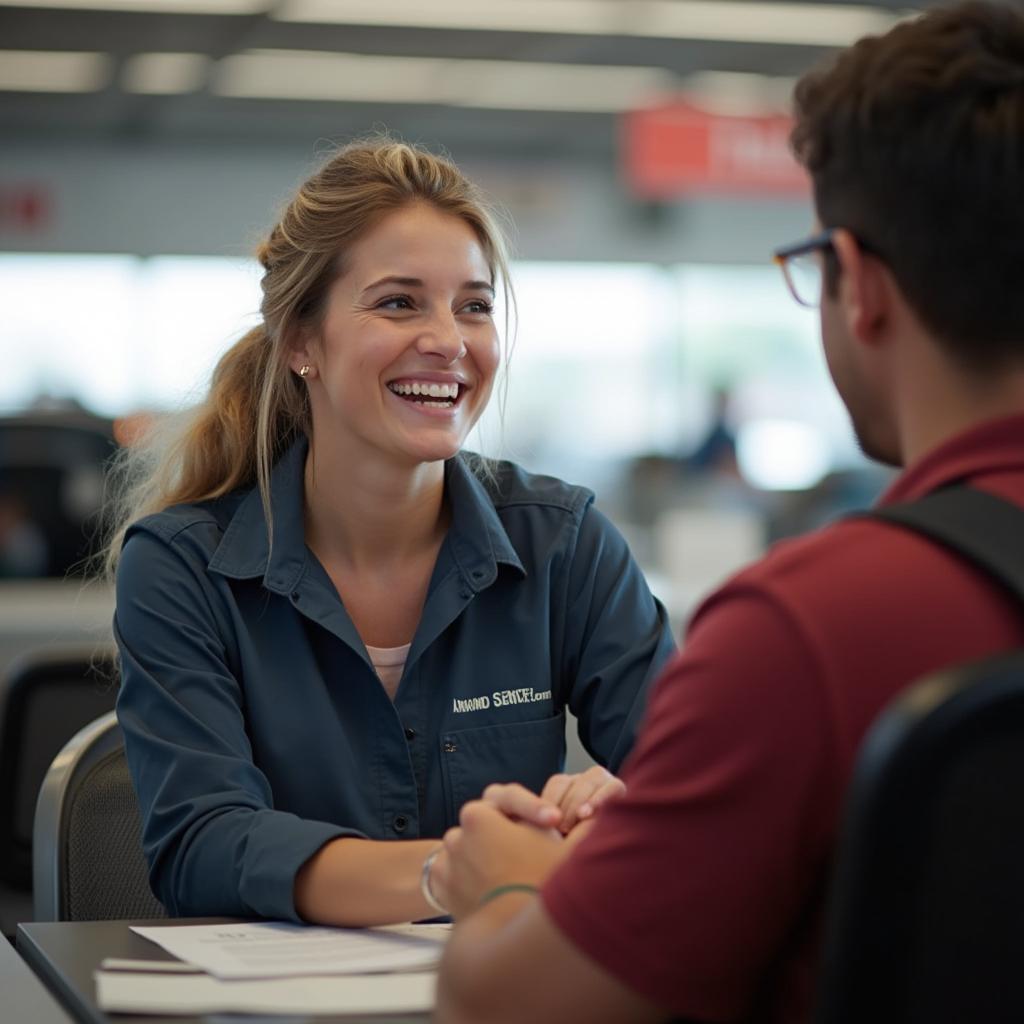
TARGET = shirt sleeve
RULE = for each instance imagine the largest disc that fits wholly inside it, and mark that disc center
(688, 885)
(618, 639)
(214, 842)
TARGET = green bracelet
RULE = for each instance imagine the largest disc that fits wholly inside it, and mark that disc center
(501, 890)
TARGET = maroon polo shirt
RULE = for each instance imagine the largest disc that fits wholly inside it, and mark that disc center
(702, 889)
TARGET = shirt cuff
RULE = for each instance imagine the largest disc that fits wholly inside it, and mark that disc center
(278, 845)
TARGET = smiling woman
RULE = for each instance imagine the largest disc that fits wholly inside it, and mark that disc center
(389, 343)
(336, 626)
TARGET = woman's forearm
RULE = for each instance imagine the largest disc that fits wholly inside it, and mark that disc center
(360, 882)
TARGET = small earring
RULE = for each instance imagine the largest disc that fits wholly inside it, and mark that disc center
(304, 370)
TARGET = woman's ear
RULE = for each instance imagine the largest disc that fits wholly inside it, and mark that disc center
(301, 358)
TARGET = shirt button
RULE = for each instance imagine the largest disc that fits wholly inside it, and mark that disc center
(401, 823)
(295, 595)
(410, 734)
(450, 747)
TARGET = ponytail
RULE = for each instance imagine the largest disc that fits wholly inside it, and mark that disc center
(228, 442)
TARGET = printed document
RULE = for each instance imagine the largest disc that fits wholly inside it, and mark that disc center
(276, 949)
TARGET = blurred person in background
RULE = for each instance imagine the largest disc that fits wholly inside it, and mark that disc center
(715, 453)
(334, 626)
(699, 893)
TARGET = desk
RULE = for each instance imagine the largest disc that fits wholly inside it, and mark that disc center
(65, 954)
(24, 995)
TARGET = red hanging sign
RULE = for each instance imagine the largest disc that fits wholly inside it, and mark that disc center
(678, 149)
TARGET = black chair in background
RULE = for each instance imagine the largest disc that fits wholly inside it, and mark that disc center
(87, 855)
(926, 920)
(45, 699)
(51, 489)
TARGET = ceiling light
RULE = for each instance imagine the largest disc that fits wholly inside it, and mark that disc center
(149, 6)
(53, 71)
(739, 92)
(520, 85)
(757, 21)
(164, 73)
(493, 84)
(571, 16)
(812, 24)
(310, 75)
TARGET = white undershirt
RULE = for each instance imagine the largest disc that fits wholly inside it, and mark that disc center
(389, 663)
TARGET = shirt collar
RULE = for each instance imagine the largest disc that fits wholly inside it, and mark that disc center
(477, 537)
(991, 447)
(244, 551)
(478, 540)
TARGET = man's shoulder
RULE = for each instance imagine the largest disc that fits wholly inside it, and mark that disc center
(842, 563)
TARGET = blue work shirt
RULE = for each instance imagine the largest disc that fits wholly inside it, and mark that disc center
(256, 728)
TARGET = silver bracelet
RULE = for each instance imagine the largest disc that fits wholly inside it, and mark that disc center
(428, 863)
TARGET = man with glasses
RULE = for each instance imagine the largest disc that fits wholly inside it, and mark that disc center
(699, 893)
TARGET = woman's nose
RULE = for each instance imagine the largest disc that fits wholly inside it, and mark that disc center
(442, 337)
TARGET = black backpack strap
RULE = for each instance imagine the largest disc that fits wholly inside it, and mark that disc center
(985, 529)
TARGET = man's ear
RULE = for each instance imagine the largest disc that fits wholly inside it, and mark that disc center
(864, 288)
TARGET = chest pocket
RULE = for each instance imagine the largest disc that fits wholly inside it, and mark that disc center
(525, 752)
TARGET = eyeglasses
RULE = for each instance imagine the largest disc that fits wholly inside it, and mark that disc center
(801, 265)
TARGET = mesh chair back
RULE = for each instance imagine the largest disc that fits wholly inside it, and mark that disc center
(926, 920)
(87, 859)
(47, 698)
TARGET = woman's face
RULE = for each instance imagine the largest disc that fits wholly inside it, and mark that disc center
(405, 358)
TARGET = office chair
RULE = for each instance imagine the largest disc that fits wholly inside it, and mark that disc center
(926, 913)
(87, 858)
(47, 697)
(51, 478)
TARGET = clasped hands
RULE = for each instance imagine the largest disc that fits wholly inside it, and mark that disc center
(514, 836)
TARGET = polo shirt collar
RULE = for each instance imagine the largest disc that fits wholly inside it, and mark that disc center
(477, 538)
(991, 447)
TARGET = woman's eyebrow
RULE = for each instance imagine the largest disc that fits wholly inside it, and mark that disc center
(416, 282)
(405, 282)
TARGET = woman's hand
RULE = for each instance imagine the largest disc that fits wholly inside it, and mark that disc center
(579, 796)
(565, 801)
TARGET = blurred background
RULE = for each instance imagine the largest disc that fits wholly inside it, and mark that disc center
(639, 149)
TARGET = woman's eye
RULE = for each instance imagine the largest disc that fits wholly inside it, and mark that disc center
(395, 302)
(478, 306)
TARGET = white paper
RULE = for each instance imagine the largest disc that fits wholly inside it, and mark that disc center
(166, 994)
(276, 949)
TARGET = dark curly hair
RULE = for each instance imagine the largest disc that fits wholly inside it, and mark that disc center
(914, 141)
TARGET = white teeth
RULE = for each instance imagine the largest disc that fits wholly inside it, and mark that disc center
(426, 388)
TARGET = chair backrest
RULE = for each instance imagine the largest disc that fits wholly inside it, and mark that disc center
(47, 696)
(51, 480)
(926, 919)
(87, 855)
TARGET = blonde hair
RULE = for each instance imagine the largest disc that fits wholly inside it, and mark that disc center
(256, 406)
